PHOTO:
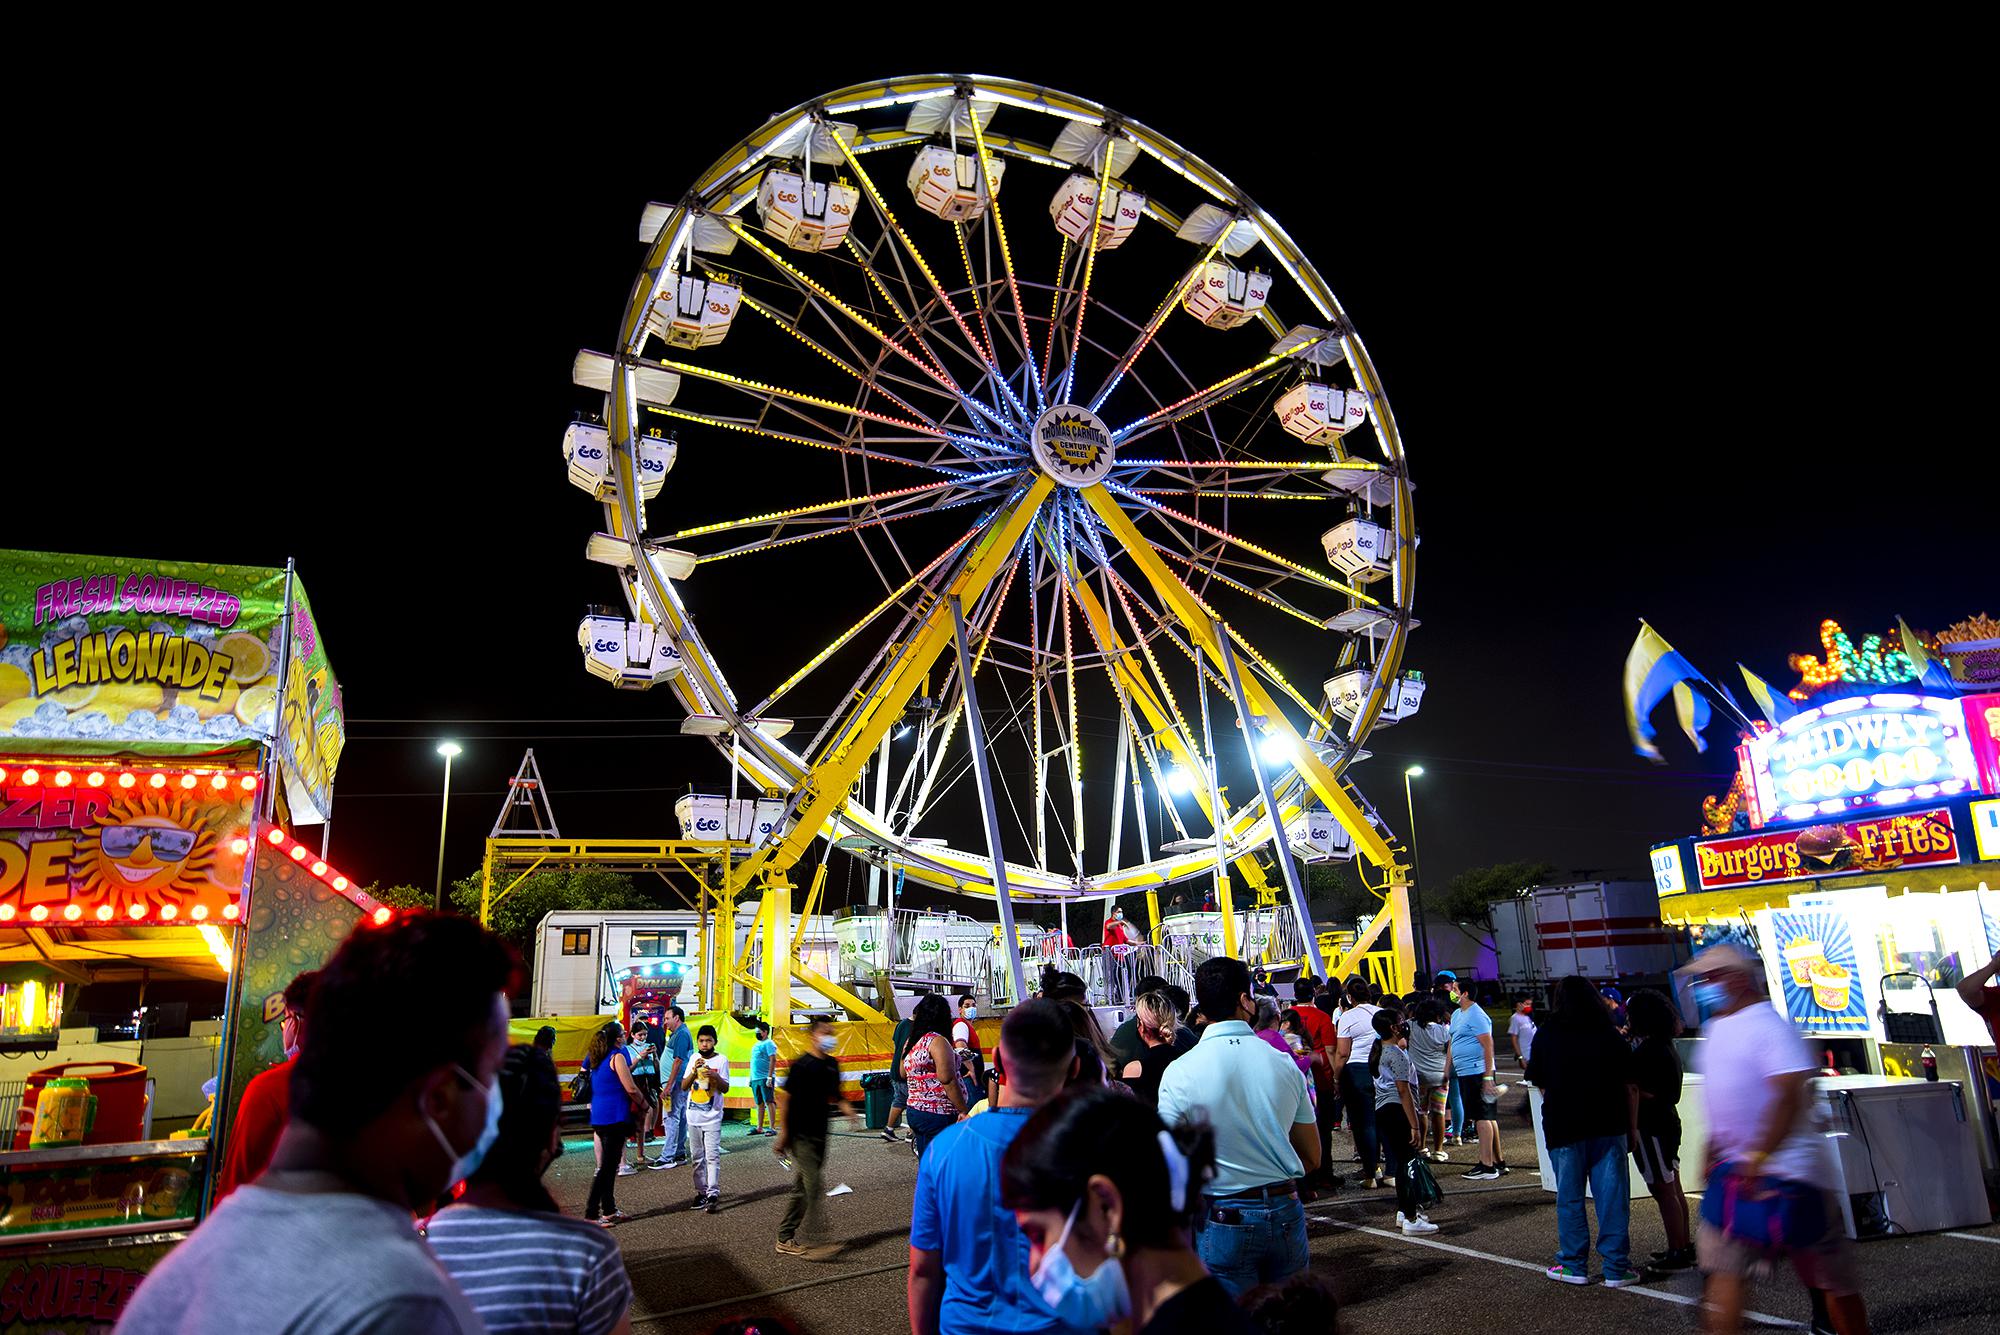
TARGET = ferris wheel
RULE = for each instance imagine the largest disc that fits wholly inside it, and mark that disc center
(966, 433)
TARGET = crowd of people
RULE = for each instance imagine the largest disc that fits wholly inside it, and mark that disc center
(1153, 1180)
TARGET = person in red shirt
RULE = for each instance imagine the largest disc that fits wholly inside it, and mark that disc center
(1321, 1043)
(267, 1100)
(1984, 1000)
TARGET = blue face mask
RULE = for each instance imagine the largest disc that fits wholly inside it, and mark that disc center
(465, 1165)
(1709, 998)
(1091, 1301)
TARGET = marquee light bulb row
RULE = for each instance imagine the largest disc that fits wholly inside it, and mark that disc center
(70, 776)
(168, 914)
(321, 869)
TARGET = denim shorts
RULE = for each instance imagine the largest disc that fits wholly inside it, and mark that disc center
(760, 1090)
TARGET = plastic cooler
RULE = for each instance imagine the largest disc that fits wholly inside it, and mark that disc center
(118, 1087)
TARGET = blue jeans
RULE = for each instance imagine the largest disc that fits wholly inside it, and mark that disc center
(1601, 1161)
(1267, 1242)
(673, 1123)
(1357, 1091)
(924, 1126)
(1456, 1123)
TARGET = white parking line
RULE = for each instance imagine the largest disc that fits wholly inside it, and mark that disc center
(1679, 1299)
(1976, 1237)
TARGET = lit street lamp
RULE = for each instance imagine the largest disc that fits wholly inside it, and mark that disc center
(1416, 882)
(447, 750)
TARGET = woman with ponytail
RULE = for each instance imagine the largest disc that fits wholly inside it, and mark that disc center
(1107, 1196)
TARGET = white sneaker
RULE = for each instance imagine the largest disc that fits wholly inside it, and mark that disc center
(1417, 1225)
(626, 1170)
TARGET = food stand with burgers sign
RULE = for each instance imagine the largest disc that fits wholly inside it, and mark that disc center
(161, 724)
(1857, 853)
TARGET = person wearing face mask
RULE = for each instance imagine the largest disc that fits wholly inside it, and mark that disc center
(1253, 1227)
(511, 1250)
(968, 1259)
(1393, 1077)
(1765, 1150)
(377, 1131)
(266, 1103)
(810, 1095)
(1106, 1196)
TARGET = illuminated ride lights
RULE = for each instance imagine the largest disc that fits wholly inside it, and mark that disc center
(1871, 664)
(970, 388)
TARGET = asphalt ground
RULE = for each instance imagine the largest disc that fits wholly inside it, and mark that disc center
(693, 1271)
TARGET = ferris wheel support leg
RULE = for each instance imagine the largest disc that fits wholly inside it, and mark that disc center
(1280, 846)
(975, 724)
(1184, 605)
(1403, 935)
(777, 916)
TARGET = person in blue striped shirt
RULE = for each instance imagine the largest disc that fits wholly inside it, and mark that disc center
(517, 1259)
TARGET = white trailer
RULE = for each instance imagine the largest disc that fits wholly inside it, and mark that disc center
(1602, 930)
(580, 955)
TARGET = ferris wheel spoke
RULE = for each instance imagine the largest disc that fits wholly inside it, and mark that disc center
(1201, 401)
(1304, 571)
(1168, 727)
(1006, 257)
(1263, 595)
(809, 284)
(930, 275)
(758, 390)
(859, 376)
(979, 307)
(841, 640)
(1152, 327)
(967, 468)
(950, 726)
(1089, 270)
(914, 329)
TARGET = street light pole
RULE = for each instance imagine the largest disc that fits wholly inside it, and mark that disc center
(447, 750)
(1416, 881)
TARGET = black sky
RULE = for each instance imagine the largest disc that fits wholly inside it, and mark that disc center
(1690, 346)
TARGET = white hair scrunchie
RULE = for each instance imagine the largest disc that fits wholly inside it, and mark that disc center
(1177, 1172)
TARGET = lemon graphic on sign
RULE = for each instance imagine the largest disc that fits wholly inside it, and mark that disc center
(74, 698)
(14, 684)
(15, 710)
(259, 699)
(249, 657)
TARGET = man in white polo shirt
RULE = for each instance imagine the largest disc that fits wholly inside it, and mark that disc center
(1253, 1229)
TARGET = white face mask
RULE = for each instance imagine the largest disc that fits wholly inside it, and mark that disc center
(828, 1042)
(1091, 1301)
(466, 1164)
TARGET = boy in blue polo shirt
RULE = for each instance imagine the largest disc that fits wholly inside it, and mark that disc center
(763, 1057)
(968, 1258)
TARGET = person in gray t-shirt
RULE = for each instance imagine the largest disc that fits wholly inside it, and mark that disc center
(386, 1117)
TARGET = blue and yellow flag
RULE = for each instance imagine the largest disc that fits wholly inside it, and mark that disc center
(1775, 705)
(1931, 675)
(1652, 670)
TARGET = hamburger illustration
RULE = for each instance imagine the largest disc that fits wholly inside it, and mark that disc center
(1827, 845)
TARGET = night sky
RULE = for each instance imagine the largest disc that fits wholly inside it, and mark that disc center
(1656, 349)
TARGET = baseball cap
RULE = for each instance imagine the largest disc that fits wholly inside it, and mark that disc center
(1722, 958)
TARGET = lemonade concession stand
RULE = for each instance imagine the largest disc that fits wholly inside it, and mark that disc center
(164, 729)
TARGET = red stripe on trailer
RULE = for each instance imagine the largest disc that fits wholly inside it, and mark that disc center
(1595, 924)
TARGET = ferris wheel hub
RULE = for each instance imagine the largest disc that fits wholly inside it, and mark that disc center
(1073, 445)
